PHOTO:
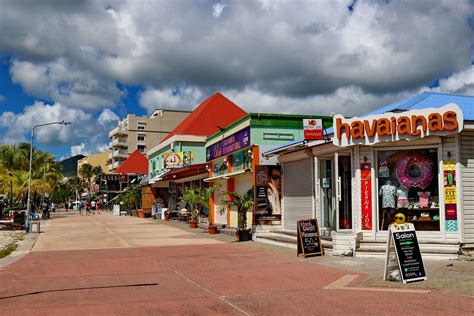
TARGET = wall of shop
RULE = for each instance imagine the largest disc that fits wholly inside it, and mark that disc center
(156, 160)
(242, 183)
(467, 170)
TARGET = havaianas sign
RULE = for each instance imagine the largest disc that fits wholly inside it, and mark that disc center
(390, 126)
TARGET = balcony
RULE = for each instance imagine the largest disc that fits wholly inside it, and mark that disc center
(116, 164)
(120, 130)
(119, 142)
(120, 153)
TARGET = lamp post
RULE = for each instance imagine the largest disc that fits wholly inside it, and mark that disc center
(28, 203)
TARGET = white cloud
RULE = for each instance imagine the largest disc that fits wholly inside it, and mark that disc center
(84, 134)
(217, 9)
(461, 82)
(2, 98)
(65, 83)
(184, 97)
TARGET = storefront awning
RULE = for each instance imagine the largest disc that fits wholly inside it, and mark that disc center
(159, 176)
(227, 175)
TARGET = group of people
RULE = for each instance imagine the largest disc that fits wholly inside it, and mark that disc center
(89, 208)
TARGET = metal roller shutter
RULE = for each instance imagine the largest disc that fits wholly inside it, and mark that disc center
(297, 192)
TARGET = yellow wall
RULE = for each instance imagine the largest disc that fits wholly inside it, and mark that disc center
(99, 159)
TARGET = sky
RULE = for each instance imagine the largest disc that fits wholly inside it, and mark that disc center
(92, 62)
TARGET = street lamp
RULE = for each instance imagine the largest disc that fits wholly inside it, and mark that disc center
(28, 204)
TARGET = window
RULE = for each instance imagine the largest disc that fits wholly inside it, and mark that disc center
(141, 148)
(141, 137)
(408, 188)
(141, 125)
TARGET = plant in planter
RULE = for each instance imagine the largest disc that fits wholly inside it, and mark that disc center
(243, 202)
(190, 196)
(204, 200)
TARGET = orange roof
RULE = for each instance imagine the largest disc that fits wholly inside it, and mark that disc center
(137, 163)
(216, 111)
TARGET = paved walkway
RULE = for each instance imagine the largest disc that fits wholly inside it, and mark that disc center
(124, 265)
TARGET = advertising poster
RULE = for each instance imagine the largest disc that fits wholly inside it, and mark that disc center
(450, 196)
(178, 159)
(366, 195)
(267, 195)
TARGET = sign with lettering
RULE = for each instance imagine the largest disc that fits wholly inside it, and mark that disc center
(313, 129)
(366, 195)
(402, 238)
(450, 195)
(309, 240)
(228, 145)
(389, 126)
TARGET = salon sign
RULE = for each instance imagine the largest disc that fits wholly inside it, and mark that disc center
(390, 126)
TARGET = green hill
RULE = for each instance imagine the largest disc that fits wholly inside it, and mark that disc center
(70, 165)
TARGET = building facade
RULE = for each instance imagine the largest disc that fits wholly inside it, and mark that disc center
(141, 133)
(411, 161)
(99, 159)
(234, 156)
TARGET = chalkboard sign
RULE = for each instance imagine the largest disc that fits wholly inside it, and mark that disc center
(309, 241)
(407, 252)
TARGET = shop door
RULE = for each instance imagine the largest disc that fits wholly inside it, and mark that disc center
(327, 197)
(219, 217)
(343, 174)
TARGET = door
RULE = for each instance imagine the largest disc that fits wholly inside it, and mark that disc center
(326, 195)
(343, 174)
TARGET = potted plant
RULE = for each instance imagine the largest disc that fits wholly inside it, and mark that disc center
(243, 203)
(190, 196)
(204, 200)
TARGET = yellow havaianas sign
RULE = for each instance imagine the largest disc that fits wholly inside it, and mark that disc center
(396, 126)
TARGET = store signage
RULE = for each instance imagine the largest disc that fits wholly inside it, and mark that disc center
(402, 239)
(309, 239)
(389, 126)
(313, 129)
(178, 159)
(366, 195)
(450, 196)
(228, 145)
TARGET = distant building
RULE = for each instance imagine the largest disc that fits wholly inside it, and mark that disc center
(99, 159)
(141, 133)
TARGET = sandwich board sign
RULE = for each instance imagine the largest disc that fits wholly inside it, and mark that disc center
(403, 254)
(309, 240)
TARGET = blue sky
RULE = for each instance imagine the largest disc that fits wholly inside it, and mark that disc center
(93, 62)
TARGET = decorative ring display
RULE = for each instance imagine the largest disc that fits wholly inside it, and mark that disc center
(414, 160)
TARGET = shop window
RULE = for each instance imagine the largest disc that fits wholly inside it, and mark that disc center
(219, 167)
(408, 188)
(238, 161)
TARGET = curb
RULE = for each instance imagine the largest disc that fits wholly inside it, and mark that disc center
(23, 248)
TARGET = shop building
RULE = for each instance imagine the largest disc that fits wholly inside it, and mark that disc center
(409, 161)
(234, 156)
(180, 160)
(140, 133)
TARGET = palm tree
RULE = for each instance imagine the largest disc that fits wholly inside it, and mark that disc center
(191, 197)
(243, 202)
(205, 198)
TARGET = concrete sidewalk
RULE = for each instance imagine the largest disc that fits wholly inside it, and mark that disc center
(140, 266)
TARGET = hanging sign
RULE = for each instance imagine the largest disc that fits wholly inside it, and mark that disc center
(313, 129)
(403, 252)
(450, 195)
(414, 124)
(366, 195)
(309, 240)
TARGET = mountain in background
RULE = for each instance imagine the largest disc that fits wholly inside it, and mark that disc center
(70, 165)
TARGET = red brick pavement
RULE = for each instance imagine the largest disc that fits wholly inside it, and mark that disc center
(200, 280)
